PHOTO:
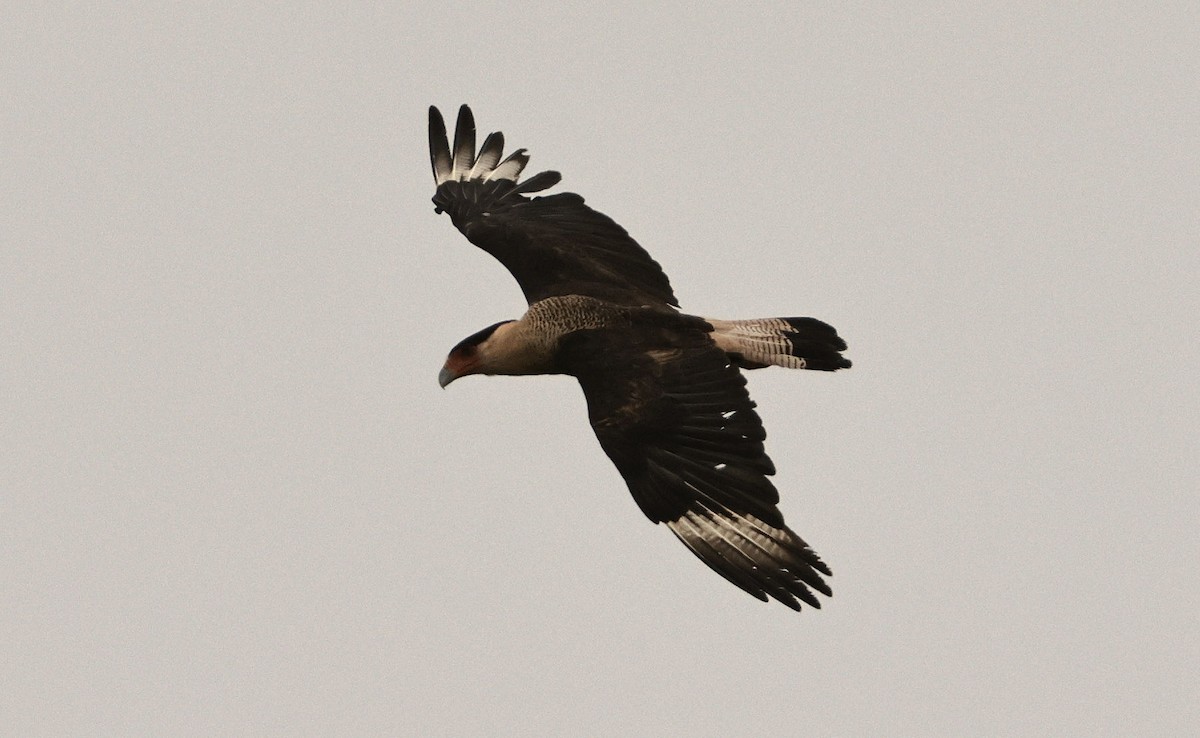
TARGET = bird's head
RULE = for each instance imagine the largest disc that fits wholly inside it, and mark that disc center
(476, 354)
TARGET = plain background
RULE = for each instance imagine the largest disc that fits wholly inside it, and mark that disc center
(235, 501)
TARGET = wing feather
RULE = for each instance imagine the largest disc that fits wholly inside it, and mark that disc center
(489, 154)
(553, 244)
(674, 416)
(439, 148)
(464, 143)
(511, 167)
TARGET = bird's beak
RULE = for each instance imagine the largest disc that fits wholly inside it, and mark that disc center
(458, 364)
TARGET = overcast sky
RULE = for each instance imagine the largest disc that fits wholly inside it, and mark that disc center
(234, 501)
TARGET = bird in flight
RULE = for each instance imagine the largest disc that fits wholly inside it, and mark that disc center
(665, 393)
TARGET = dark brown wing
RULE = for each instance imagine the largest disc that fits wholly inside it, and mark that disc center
(553, 245)
(675, 418)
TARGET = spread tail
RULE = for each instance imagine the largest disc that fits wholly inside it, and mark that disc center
(795, 343)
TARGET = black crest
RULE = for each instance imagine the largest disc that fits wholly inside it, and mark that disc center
(477, 337)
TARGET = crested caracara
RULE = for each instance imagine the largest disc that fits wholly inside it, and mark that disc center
(665, 393)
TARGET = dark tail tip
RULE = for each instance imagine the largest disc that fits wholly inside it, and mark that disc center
(817, 343)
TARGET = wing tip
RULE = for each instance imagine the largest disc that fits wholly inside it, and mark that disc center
(439, 146)
(785, 575)
(460, 162)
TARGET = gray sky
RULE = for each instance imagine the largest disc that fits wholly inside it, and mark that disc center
(235, 501)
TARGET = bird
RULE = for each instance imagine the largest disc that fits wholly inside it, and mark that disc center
(665, 392)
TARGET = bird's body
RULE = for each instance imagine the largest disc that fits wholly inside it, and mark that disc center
(665, 395)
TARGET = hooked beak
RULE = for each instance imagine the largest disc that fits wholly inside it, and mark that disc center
(458, 364)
